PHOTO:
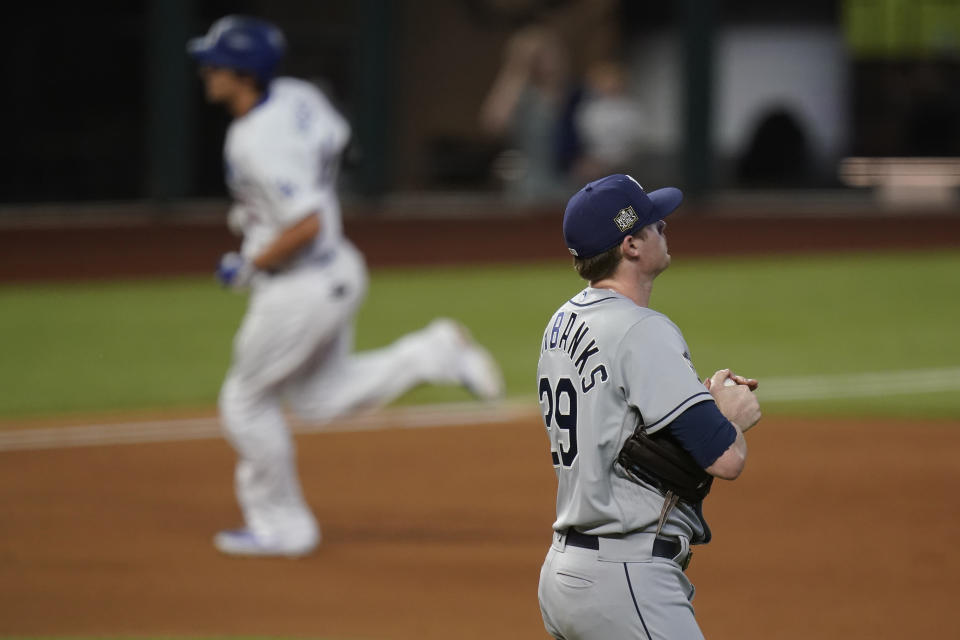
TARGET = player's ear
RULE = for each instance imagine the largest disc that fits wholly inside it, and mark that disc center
(630, 245)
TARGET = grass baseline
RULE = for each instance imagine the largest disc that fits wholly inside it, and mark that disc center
(163, 343)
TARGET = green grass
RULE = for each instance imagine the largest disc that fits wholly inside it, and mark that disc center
(823, 315)
(157, 344)
(105, 346)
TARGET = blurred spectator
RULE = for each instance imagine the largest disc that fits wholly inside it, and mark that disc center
(609, 123)
(530, 104)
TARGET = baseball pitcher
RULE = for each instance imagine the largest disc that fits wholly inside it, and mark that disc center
(307, 281)
(635, 437)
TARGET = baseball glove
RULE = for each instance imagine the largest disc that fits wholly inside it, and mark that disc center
(661, 461)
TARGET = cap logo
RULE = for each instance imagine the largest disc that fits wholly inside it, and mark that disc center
(625, 219)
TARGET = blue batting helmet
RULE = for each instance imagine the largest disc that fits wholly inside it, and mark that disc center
(241, 43)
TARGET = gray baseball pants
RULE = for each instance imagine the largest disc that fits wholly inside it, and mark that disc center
(617, 592)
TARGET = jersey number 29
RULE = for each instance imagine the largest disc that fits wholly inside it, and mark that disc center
(562, 409)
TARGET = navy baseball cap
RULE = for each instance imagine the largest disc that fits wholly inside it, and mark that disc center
(608, 210)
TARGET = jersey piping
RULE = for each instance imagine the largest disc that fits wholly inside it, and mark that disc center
(587, 304)
(674, 410)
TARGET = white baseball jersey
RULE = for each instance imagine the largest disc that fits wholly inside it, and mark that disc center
(281, 163)
(606, 366)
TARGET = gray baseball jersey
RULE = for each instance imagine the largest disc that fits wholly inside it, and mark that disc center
(606, 366)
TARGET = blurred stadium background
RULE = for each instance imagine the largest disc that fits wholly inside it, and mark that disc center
(818, 144)
(103, 105)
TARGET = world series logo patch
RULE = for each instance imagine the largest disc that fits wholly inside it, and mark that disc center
(626, 218)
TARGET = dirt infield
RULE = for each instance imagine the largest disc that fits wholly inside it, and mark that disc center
(836, 530)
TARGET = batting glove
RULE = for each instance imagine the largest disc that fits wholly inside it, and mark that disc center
(234, 271)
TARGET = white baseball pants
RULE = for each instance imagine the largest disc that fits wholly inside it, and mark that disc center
(294, 346)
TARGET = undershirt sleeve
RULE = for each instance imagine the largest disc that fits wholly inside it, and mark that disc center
(704, 432)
